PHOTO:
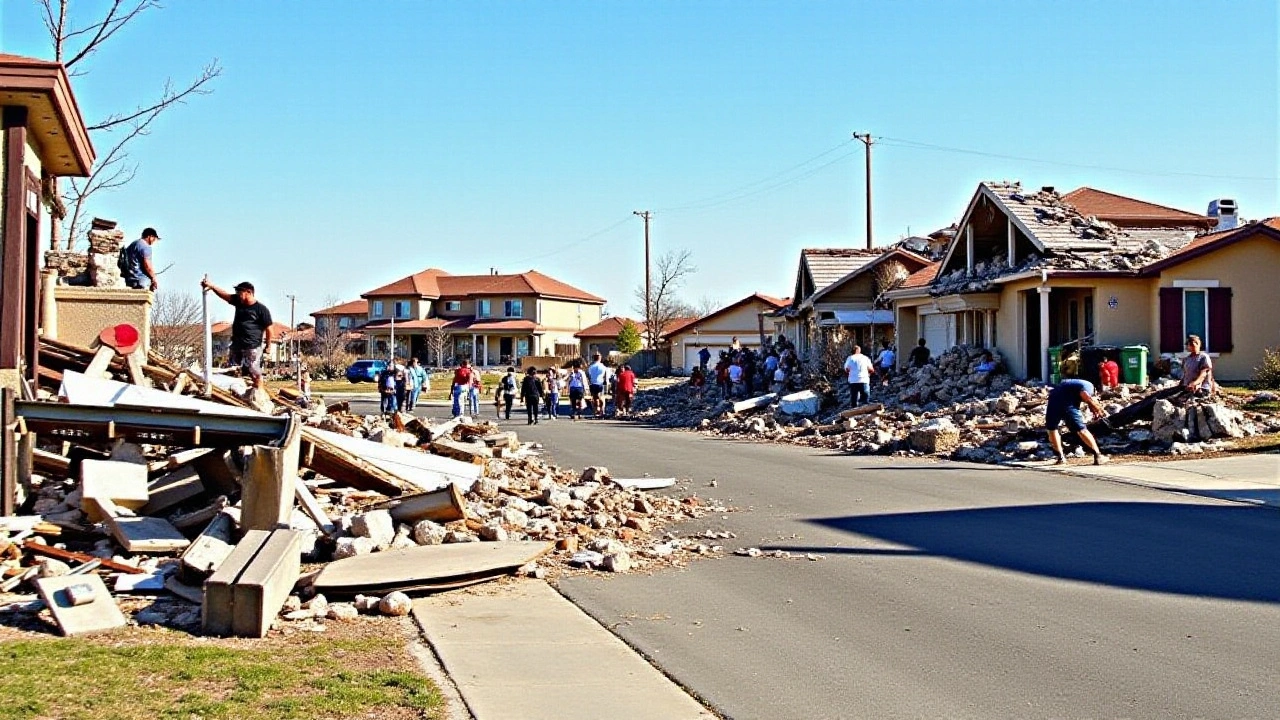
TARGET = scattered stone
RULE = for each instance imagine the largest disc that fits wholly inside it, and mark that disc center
(395, 604)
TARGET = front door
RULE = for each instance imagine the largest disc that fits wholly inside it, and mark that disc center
(505, 350)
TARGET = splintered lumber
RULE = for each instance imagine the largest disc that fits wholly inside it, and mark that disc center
(475, 453)
(269, 485)
(51, 465)
(142, 534)
(310, 506)
(862, 410)
(122, 483)
(755, 403)
(80, 604)
(249, 588)
(367, 465)
(72, 556)
(443, 505)
(426, 567)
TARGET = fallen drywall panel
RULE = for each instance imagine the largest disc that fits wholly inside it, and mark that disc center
(426, 565)
(423, 470)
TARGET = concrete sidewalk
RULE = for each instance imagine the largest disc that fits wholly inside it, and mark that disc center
(521, 651)
(1244, 478)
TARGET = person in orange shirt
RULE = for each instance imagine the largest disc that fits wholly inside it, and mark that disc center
(1109, 372)
(626, 391)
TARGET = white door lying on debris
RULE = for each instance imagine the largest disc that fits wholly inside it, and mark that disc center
(939, 332)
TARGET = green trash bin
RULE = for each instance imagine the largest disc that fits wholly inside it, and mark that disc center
(1133, 364)
(1055, 359)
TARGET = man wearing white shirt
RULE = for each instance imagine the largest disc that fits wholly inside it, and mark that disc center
(598, 377)
(858, 369)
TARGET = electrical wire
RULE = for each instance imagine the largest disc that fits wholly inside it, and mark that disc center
(730, 195)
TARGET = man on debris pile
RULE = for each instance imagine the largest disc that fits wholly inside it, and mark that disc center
(250, 328)
(1064, 407)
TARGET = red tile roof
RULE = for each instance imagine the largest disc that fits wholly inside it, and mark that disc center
(436, 283)
(1212, 241)
(922, 277)
(1126, 211)
(608, 328)
(355, 307)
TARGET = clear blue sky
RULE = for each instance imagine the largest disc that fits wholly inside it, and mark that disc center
(348, 144)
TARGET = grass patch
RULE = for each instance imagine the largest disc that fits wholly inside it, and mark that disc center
(88, 679)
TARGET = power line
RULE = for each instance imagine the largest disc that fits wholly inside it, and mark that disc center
(916, 145)
(763, 190)
(730, 195)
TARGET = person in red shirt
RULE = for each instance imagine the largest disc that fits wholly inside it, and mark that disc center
(1109, 372)
(461, 385)
(626, 391)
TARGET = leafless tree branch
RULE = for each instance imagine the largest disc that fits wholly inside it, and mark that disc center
(167, 99)
(671, 270)
(177, 333)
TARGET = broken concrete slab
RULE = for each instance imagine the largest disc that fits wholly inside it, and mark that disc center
(422, 566)
(443, 505)
(754, 403)
(391, 471)
(467, 452)
(211, 548)
(269, 483)
(142, 534)
(805, 403)
(171, 490)
(122, 483)
(80, 604)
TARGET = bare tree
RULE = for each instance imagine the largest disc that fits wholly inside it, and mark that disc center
(884, 277)
(671, 270)
(437, 342)
(177, 328)
(704, 306)
(73, 43)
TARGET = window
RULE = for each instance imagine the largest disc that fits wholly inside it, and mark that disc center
(1203, 311)
(482, 308)
(377, 308)
(453, 305)
(402, 309)
(344, 323)
(513, 308)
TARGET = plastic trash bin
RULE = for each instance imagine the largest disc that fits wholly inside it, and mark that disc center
(1133, 364)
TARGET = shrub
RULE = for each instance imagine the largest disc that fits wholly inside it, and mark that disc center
(328, 367)
(1267, 375)
(628, 340)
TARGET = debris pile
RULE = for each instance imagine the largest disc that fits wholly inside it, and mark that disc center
(950, 408)
(206, 509)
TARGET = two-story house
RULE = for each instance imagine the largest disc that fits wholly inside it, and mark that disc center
(489, 319)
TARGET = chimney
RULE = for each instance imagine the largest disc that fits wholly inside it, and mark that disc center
(1225, 213)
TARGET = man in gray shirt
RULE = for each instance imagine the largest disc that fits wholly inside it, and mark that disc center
(1197, 368)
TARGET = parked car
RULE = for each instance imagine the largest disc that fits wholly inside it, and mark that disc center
(365, 370)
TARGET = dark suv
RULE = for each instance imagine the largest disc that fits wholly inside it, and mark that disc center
(365, 370)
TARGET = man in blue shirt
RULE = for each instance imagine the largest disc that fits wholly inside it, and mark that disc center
(1064, 407)
(135, 262)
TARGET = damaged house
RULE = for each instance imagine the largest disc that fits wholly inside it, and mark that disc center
(1030, 270)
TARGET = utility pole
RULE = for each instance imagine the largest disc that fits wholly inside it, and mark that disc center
(867, 140)
(648, 286)
(293, 342)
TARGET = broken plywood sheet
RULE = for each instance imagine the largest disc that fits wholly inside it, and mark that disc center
(97, 610)
(427, 565)
(422, 470)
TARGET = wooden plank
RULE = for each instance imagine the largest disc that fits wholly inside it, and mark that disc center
(142, 534)
(443, 505)
(51, 465)
(72, 556)
(261, 589)
(474, 453)
(409, 567)
(98, 615)
(366, 465)
(122, 483)
(862, 410)
(101, 362)
(311, 506)
(217, 611)
(136, 374)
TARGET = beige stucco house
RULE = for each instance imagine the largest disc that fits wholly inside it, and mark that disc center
(745, 320)
(1029, 270)
(489, 319)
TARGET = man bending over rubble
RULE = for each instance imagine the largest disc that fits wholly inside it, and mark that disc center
(1064, 407)
(250, 328)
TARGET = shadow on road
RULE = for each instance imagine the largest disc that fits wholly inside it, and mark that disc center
(1187, 549)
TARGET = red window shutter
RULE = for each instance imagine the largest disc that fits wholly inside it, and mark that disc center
(1170, 320)
(1219, 320)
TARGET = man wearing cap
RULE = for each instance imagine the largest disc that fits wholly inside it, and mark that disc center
(250, 328)
(135, 262)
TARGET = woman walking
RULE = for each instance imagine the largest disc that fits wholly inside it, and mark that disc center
(554, 386)
(577, 388)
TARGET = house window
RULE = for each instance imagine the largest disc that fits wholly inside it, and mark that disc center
(402, 309)
(377, 308)
(344, 323)
(1203, 311)
(453, 305)
(513, 308)
(482, 308)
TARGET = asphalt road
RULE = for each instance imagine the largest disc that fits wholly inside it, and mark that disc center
(945, 590)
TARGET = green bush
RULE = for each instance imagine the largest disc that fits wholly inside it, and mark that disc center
(1267, 375)
(628, 340)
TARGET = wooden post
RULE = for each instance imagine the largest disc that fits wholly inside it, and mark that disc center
(8, 455)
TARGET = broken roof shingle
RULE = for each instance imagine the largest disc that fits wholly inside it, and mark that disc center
(827, 265)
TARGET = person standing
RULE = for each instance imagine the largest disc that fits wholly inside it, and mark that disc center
(735, 378)
(461, 388)
(554, 386)
(577, 383)
(919, 355)
(474, 392)
(250, 328)
(402, 386)
(598, 375)
(531, 393)
(304, 386)
(1197, 369)
(704, 359)
(135, 262)
(507, 391)
(414, 378)
(884, 362)
(1064, 407)
(626, 391)
(858, 369)
(387, 387)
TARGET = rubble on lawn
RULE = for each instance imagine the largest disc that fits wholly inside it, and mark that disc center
(949, 408)
(457, 486)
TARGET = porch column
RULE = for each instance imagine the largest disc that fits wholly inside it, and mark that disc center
(988, 331)
(1009, 230)
(1045, 370)
(13, 243)
(968, 248)
(475, 355)
(897, 337)
(484, 343)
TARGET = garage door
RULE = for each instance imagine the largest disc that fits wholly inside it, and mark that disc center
(939, 332)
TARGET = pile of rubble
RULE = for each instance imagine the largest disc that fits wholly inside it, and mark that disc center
(191, 507)
(950, 408)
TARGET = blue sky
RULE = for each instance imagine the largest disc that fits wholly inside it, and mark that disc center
(348, 144)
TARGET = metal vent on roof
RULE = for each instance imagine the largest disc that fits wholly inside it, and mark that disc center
(1226, 213)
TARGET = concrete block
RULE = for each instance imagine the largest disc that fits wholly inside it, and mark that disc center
(123, 483)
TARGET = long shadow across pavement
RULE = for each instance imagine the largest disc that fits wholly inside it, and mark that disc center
(1183, 548)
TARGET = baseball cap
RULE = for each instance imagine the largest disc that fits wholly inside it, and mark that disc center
(150, 232)
(246, 285)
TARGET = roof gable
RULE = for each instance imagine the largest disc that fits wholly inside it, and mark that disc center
(773, 302)
(608, 327)
(355, 307)
(1131, 212)
(912, 261)
(435, 283)
(1213, 242)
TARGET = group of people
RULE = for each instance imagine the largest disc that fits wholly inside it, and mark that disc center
(540, 391)
(401, 385)
(859, 368)
(741, 371)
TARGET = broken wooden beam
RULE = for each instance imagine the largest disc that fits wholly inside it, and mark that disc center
(475, 453)
(862, 410)
(73, 556)
(443, 505)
